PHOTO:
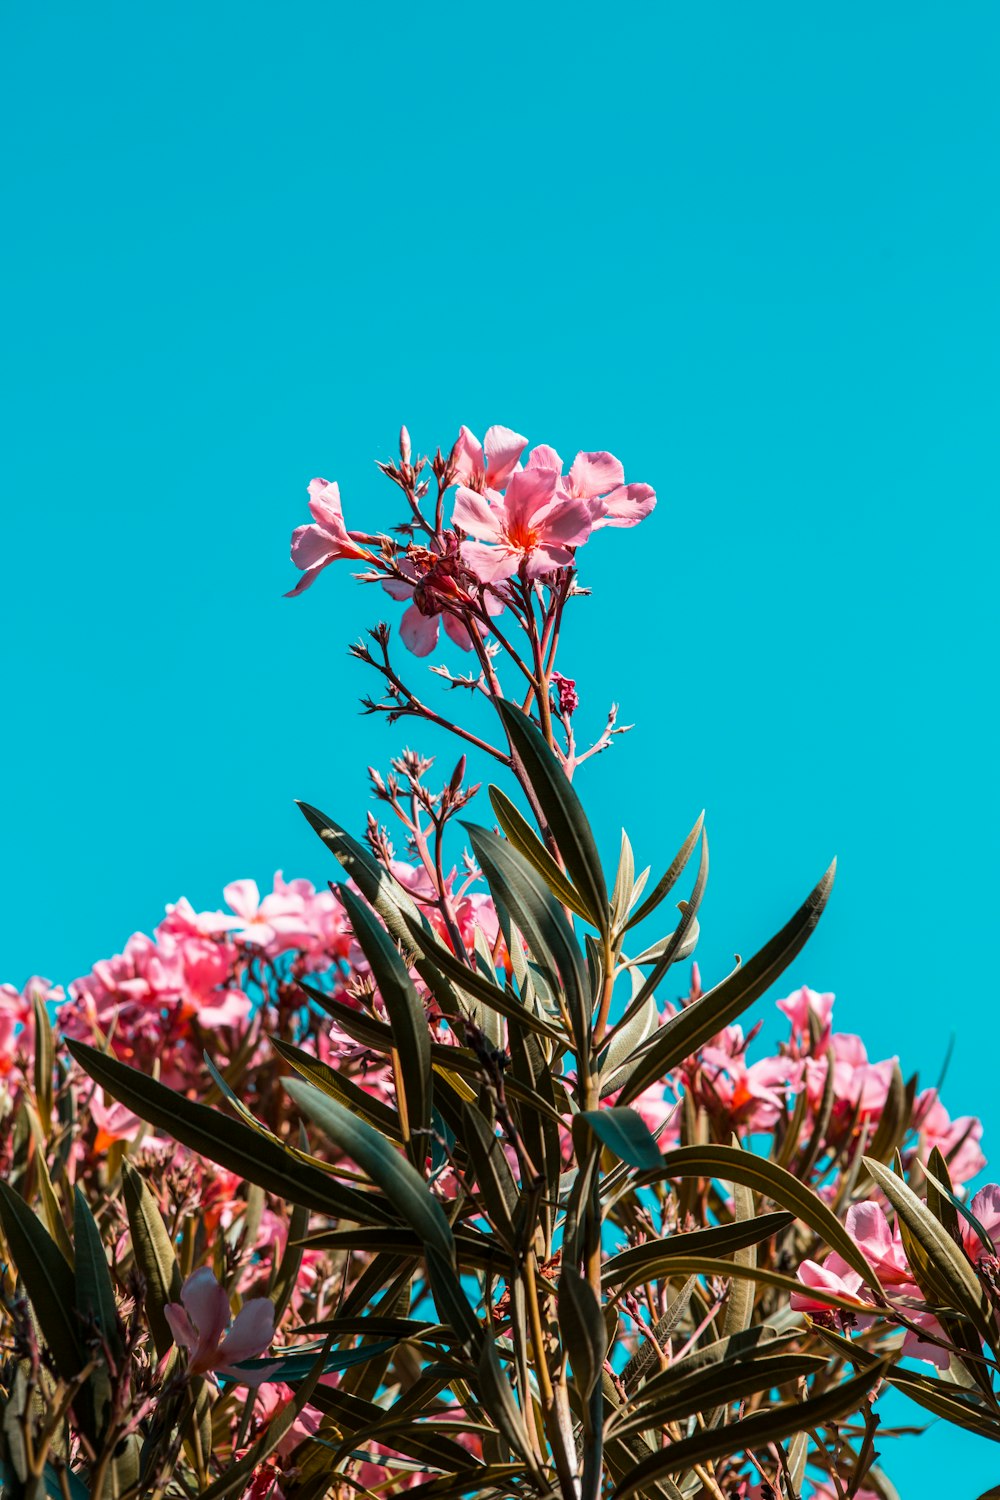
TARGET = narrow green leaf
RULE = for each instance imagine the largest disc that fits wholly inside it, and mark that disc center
(398, 1179)
(527, 843)
(729, 1164)
(563, 812)
(948, 1401)
(718, 1389)
(154, 1255)
(754, 1432)
(44, 1062)
(48, 1281)
(738, 1314)
(668, 880)
(629, 1268)
(581, 1324)
(95, 1292)
(682, 1035)
(230, 1143)
(474, 984)
(338, 1086)
(405, 1010)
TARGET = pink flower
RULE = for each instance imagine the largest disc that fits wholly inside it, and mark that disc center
(274, 923)
(490, 469)
(327, 540)
(438, 584)
(957, 1140)
(114, 1122)
(531, 526)
(985, 1209)
(17, 1016)
(600, 477)
(799, 1007)
(199, 1324)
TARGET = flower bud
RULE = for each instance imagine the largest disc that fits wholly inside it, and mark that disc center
(404, 445)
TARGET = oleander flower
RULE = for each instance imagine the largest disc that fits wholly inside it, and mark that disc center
(200, 1323)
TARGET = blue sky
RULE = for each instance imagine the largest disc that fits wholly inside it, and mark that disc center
(751, 250)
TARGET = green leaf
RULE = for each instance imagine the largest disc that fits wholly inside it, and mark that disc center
(563, 812)
(44, 1062)
(407, 1019)
(753, 1432)
(498, 1399)
(738, 1314)
(682, 1035)
(581, 1324)
(667, 881)
(716, 1389)
(946, 1400)
(630, 1267)
(286, 1274)
(624, 1132)
(730, 1164)
(398, 1179)
(527, 843)
(338, 1086)
(290, 1368)
(48, 1281)
(505, 1003)
(516, 887)
(154, 1255)
(95, 1292)
(230, 1143)
(494, 1178)
(949, 1264)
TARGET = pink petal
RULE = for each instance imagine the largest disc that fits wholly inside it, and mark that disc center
(309, 577)
(528, 492)
(419, 631)
(468, 458)
(184, 1332)
(207, 1306)
(490, 564)
(457, 631)
(243, 897)
(312, 545)
(594, 474)
(503, 450)
(628, 505)
(546, 559)
(474, 514)
(398, 588)
(325, 506)
(544, 457)
(251, 1333)
(566, 521)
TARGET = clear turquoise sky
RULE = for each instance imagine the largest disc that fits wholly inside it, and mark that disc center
(753, 250)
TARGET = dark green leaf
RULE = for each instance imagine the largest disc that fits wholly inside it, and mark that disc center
(682, 1035)
(629, 1267)
(398, 1179)
(228, 1142)
(730, 1164)
(582, 1327)
(277, 1429)
(562, 809)
(407, 1019)
(95, 1292)
(717, 1389)
(154, 1255)
(526, 842)
(753, 1432)
(341, 1088)
(48, 1281)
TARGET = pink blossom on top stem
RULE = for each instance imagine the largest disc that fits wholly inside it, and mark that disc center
(486, 465)
(327, 540)
(199, 1324)
(532, 526)
(600, 478)
(17, 1016)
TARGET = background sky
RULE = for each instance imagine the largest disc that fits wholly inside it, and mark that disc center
(752, 250)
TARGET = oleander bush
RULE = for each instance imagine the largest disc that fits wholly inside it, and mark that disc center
(438, 1178)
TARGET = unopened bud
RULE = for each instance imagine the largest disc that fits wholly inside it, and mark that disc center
(404, 445)
(457, 776)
